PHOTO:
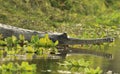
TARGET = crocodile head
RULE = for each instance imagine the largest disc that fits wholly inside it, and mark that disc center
(61, 38)
(110, 39)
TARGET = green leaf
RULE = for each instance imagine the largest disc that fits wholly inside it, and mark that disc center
(21, 37)
(2, 42)
(10, 65)
(29, 49)
(24, 64)
(14, 39)
(26, 67)
(56, 43)
(34, 38)
(74, 63)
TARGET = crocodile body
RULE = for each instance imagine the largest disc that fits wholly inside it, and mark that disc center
(7, 30)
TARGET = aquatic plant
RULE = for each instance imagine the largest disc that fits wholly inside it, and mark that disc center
(46, 42)
(11, 41)
(81, 65)
(24, 66)
(35, 40)
(29, 49)
(22, 40)
(93, 71)
(43, 42)
(3, 43)
(77, 63)
(12, 45)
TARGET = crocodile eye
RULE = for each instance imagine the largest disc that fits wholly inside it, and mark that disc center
(64, 35)
(34, 32)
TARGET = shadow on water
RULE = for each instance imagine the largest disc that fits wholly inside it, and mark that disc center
(50, 65)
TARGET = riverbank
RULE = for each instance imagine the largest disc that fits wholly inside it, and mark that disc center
(82, 19)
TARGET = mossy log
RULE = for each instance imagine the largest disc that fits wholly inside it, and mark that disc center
(7, 31)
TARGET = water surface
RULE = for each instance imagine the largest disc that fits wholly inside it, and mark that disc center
(51, 66)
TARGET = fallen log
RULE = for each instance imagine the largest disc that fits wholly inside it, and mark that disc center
(7, 31)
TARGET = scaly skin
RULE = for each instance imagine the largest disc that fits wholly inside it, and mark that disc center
(7, 30)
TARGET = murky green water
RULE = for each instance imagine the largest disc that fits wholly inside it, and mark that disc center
(50, 66)
(115, 62)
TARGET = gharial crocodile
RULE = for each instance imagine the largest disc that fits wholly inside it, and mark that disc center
(7, 30)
